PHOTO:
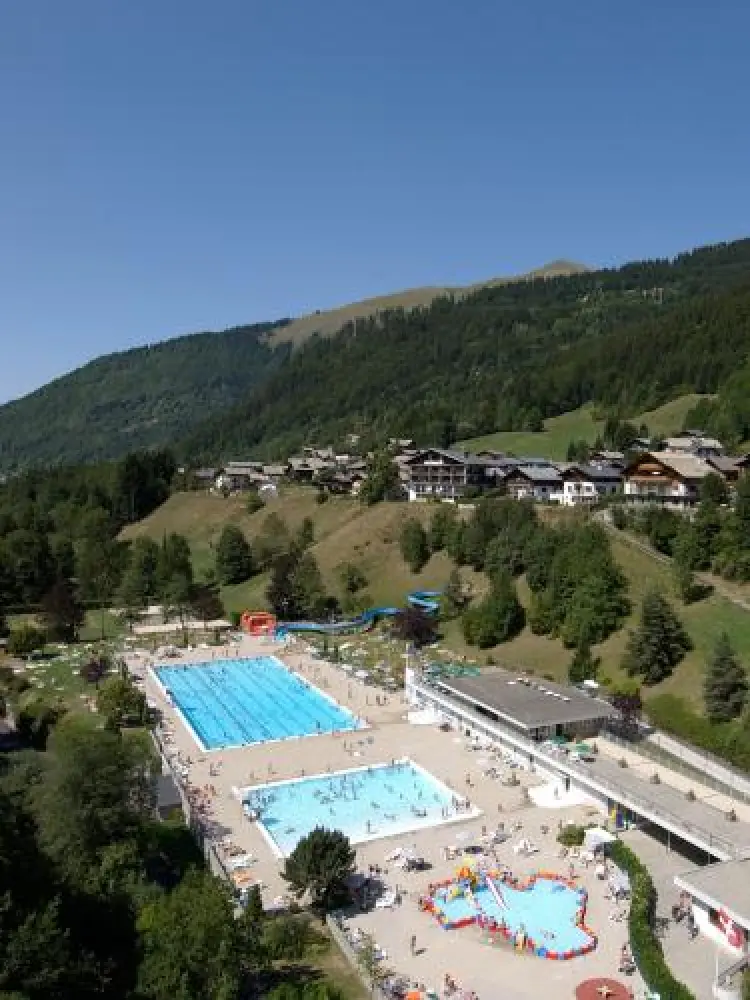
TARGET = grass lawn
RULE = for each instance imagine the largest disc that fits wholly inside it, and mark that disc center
(670, 417)
(552, 442)
(345, 531)
(579, 425)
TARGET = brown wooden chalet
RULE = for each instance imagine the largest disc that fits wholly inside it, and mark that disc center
(671, 479)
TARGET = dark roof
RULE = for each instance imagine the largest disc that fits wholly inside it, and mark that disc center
(459, 457)
(599, 472)
(167, 792)
(527, 701)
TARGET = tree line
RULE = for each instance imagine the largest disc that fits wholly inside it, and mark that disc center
(58, 533)
(143, 398)
(578, 593)
(102, 899)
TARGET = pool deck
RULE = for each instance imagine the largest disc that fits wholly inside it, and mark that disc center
(493, 972)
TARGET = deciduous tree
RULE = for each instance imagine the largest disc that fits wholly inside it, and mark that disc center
(319, 866)
(234, 563)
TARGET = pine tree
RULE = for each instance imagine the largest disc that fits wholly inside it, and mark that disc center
(725, 687)
(658, 644)
(233, 556)
(413, 544)
(498, 618)
(584, 665)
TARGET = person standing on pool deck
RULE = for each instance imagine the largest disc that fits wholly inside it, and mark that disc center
(413, 944)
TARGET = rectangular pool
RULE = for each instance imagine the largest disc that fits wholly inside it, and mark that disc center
(231, 703)
(365, 803)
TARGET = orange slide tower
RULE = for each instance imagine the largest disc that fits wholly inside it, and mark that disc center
(258, 622)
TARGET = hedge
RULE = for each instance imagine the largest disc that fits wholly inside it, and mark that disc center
(644, 944)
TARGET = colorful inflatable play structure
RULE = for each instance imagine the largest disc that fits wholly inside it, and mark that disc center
(544, 914)
(258, 622)
(264, 623)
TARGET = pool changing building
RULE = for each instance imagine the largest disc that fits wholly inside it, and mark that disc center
(536, 709)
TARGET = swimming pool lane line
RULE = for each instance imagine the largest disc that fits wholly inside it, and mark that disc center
(278, 691)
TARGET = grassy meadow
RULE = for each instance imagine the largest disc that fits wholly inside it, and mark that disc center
(346, 531)
(582, 424)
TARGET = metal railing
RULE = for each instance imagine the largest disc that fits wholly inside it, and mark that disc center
(336, 931)
(662, 755)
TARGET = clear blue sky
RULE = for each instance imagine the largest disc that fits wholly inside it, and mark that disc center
(169, 166)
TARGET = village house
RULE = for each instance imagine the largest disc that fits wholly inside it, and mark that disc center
(203, 478)
(604, 457)
(694, 443)
(442, 474)
(237, 477)
(273, 473)
(533, 482)
(671, 479)
(586, 484)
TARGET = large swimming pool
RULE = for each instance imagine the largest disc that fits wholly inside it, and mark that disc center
(229, 703)
(364, 803)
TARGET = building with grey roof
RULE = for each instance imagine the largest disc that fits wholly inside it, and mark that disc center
(535, 708)
(533, 482)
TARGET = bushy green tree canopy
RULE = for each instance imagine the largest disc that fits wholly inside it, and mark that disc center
(659, 642)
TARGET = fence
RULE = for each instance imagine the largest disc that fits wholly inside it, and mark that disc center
(689, 763)
(194, 823)
(337, 933)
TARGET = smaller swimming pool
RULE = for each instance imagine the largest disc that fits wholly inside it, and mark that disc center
(364, 803)
(545, 912)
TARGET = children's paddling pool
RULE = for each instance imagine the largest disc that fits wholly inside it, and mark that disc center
(545, 913)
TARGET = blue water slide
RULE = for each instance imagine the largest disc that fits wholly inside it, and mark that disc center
(425, 600)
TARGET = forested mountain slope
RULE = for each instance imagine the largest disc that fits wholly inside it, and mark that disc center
(148, 396)
(505, 357)
(141, 398)
(329, 321)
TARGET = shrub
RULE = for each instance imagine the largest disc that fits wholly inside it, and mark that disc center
(571, 835)
(644, 944)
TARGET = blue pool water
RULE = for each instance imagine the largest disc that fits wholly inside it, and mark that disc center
(546, 911)
(365, 803)
(236, 702)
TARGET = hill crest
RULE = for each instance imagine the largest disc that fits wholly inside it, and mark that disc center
(327, 322)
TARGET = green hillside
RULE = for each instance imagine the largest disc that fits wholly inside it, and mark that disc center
(142, 398)
(506, 358)
(346, 531)
(581, 425)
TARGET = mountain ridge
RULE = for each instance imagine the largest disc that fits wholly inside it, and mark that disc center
(328, 321)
